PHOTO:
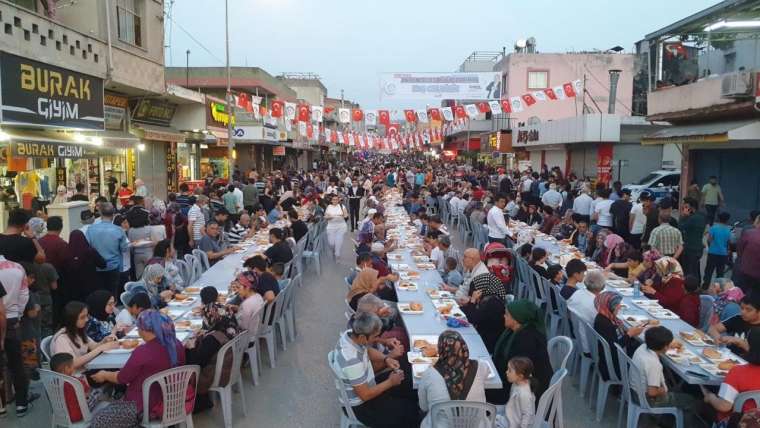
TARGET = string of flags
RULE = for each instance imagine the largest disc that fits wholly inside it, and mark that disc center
(429, 125)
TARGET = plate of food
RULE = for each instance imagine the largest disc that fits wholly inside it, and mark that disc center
(181, 299)
(192, 290)
(399, 266)
(625, 292)
(395, 257)
(426, 266)
(417, 357)
(635, 319)
(663, 314)
(125, 346)
(421, 259)
(456, 313)
(435, 293)
(696, 338)
(427, 345)
(411, 308)
(618, 283)
(713, 369)
(188, 325)
(713, 354)
(407, 286)
(683, 356)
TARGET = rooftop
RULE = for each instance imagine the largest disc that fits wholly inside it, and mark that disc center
(245, 78)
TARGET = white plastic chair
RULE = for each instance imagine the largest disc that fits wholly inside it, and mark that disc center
(280, 321)
(54, 386)
(634, 394)
(184, 271)
(45, 344)
(556, 311)
(195, 268)
(583, 351)
(272, 311)
(237, 346)
(203, 257)
(560, 348)
(313, 254)
(253, 351)
(174, 384)
(705, 311)
(462, 414)
(290, 306)
(600, 351)
(123, 298)
(347, 417)
(549, 410)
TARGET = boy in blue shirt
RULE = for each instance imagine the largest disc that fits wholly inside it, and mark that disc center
(718, 237)
(451, 276)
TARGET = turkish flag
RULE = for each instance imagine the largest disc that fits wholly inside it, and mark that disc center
(410, 116)
(506, 107)
(277, 108)
(329, 109)
(392, 130)
(357, 115)
(460, 112)
(529, 100)
(384, 117)
(345, 138)
(550, 93)
(435, 114)
(569, 89)
(483, 107)
(262, 110)
(310, 130)
(334, 137)
(303, 113)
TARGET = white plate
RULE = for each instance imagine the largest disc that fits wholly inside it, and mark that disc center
(408, 286)
(664, 314)
(439, 294)
(418, 369)
(416, 357)
(625, 292)
(618, 283)
(404, 309)
(697, 341)
(713, 369)
(429, 338)
(646, 303)
(400, 266)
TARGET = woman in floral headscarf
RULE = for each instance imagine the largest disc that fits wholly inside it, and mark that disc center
(611, 328)
(453, 377)
(37, 226)
(671, 289)
(219, 327)
(160, 351)
(650, 272)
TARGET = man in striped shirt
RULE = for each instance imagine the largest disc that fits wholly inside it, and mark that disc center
(375, 402)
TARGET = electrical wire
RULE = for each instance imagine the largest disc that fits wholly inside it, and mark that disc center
(606, 88)
(187, 33)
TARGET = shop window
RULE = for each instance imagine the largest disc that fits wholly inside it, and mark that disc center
(128, 18)
(538, 79)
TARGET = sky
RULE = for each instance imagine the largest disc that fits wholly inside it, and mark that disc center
(349, 42)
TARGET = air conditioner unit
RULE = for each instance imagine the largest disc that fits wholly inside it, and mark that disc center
(737, 85)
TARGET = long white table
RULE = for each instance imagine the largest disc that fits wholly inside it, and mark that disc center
(430, 323)
(219, 276)
(689, 372)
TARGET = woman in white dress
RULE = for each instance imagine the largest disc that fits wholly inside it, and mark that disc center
(453, 377)
(336, 215)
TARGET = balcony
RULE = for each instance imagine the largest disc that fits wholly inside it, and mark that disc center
(34, 36)
(696, 100)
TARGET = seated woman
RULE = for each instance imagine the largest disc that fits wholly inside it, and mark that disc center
(71, 339)
(219, 327)
(650, 271)
(161, 351)
(727, 299)
(538, 261)
(453, 377)
(740, 378)
(164, 255)
(671, 289)
(246, 285)
(153, 284)
(485, 308)
(102, 321)
(617, 253)
(611, 328)
(366, 282)
(524, 336)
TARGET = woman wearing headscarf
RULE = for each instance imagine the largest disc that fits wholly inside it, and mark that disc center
(80, 278)
(671, 290)
(60, 196)
(727, 300)
(650, 271)
(102, 321)
(160, 351)
(611, 328)
(453, 377)
(617, 250)
(37, 226)
(599, 252)
(366, 282)
(485, 307)
(524, 336)
(219, 327)
(152, 283)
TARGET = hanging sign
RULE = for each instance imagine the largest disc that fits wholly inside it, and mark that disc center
(153, 112)
(278, 151)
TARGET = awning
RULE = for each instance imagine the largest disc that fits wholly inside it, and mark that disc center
(158, 133)
(706, 133)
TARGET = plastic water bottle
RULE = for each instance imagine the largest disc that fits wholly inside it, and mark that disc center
(636, 289)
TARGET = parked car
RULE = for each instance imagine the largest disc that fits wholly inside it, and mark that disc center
(662, 183)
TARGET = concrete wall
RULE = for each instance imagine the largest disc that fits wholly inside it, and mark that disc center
(745, 53)
(565, 68)
(700, 94)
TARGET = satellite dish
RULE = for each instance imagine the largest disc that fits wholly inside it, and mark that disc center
(534, 120)
(531, 41)
(521, 43)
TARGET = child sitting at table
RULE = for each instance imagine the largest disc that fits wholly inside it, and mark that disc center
(689, 306)
(657, 340)
(278, 272)
(63, 363)
(520, 410)
(451, 276)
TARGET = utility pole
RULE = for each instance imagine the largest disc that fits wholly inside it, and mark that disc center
(230, 144)
(187, 69)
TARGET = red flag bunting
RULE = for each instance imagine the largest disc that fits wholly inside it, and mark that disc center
(569, 89)
(483, 107)
(435, 114)
(277, 108)
(459, 111)
(550, 93)
(410, 116)
(303, 113)
(357, 115)
(506, 107)
(529, 100)
(384, 117)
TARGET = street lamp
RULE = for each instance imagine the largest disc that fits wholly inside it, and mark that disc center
(187, 68)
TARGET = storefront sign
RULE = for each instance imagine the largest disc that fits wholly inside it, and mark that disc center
(278, 151)
(115, 109)
(527, 136)
(60, 174)
(53, 150)
(38, 94)
(604, 163)
(171, 167)
(270, 134)
(216, 115)
(153, 112)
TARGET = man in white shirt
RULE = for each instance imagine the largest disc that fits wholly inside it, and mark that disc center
(454, 204)
(497, 226)
(195, 220)
(657, 341)
(15, 295)
(601, 213)
(552, 197)
(582, 204)
(582, 301)
(238, 198)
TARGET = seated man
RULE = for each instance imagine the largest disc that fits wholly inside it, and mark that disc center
(734, 331)
(212, 243)
(241, 230)
(376, 402)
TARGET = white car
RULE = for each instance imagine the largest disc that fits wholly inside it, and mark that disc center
(660, 183)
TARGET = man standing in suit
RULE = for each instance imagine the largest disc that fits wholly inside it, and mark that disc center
(355, 194)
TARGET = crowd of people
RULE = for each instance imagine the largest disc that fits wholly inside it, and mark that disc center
(123, 265)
